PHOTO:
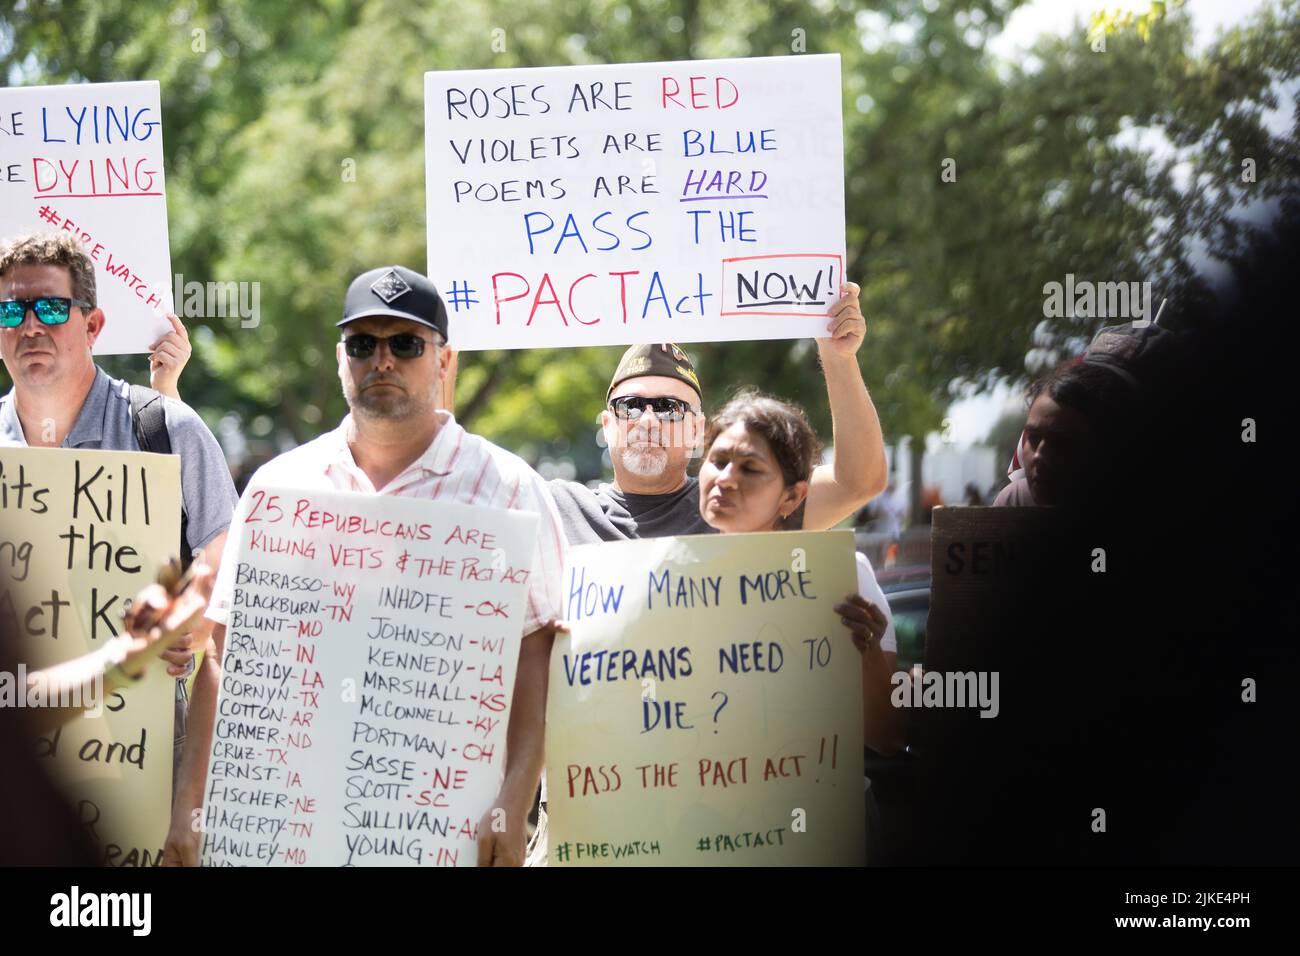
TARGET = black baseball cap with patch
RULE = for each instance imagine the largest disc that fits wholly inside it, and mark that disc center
(665, 359)
(396, 291)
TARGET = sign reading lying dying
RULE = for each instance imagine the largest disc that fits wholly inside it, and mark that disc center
(642, 202)
(87, 159)
(365, 693)
(707, 707)
(81, 532)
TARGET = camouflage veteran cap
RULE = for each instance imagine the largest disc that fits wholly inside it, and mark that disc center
(1143, 356)
(664, 359)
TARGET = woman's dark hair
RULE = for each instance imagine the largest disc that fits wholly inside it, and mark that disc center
(1098, 393)
(784, 426)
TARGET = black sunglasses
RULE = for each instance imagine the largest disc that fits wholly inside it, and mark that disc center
(632, 407)
(49, 309)
(405, 345)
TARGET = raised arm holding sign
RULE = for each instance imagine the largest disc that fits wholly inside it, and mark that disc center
(654, 203)
(757, 470)
(86, 160)
(652, 495)
(730, 620)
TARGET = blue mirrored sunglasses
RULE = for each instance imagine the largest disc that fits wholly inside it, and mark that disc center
(49, 309)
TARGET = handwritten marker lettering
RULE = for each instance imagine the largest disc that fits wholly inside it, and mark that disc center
(607, 200)
(81, 533)
(86, 160)
(397, 771)
(744, 722)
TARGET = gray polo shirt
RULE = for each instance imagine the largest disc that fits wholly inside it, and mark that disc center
(104, 422)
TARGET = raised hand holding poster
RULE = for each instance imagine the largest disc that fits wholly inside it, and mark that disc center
(87, 159)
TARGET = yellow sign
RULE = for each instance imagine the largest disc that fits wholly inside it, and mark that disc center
(706, 708)
(83, 532)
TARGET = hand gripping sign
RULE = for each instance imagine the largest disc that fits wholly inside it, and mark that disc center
(87, 159)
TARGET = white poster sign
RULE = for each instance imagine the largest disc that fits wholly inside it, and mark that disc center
(87, 159)
(366, 685)
(645, 202)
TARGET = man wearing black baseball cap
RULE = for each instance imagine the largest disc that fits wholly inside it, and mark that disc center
(397, 440)
(394, 299)
(653, 424)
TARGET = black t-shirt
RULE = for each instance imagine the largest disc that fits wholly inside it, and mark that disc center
(608, 514)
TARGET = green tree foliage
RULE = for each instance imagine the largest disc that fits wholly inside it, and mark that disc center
(295, 151)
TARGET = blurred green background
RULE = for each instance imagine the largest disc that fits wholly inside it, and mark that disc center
(1122, 164)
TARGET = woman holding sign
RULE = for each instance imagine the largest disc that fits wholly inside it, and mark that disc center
(757, 469)
(759, 458)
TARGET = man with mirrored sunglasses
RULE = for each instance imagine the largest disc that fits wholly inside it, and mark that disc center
(398, 439)
(653, 425)
(49, 322)
(167, 358)
(48, 309)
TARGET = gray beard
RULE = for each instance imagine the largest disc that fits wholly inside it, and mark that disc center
(645, 462)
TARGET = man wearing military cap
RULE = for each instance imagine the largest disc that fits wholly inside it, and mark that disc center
(653, 425)
(392, 362)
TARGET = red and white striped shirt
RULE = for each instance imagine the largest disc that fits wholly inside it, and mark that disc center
(458, 466)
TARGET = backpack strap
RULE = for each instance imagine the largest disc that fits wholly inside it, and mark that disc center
(149, 422)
